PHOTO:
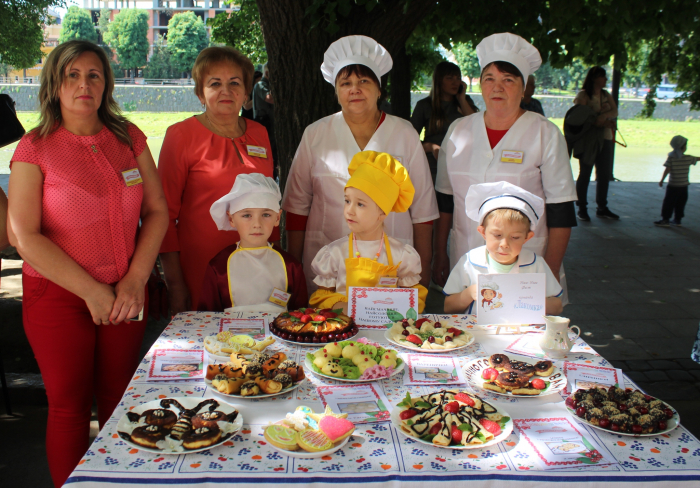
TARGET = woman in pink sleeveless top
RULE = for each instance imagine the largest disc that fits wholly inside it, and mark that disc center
(80, 183)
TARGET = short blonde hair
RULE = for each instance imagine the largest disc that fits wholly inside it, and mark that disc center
(212, 56)
(509, 215)
(52, 78)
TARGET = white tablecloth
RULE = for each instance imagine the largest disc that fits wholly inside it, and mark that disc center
(377, 454)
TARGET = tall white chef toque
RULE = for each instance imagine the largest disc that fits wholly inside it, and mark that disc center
(511, 48)
(252, 190)
(355, 50)
(486, 197)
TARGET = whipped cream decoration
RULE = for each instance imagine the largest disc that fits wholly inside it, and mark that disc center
(375, 372)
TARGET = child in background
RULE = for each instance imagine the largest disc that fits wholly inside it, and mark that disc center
(378, 185)
(244, 276)
(678, 166)
(507, 216)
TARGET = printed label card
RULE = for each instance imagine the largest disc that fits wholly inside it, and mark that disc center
(176, 364)
(517, 298)
(374, 308)
(585, 376)
(558, 443)
(424, 369)
(364, 404)
(255, 328)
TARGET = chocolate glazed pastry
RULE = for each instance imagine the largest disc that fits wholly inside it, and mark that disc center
(511, 379)
(521, 367)
(208, 419)
(544, 368)
(148, 435)
(184, 422)
(499, 361)
(201, 437)
(161, 417)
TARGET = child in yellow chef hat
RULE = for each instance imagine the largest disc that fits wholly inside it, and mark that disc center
(378, 185)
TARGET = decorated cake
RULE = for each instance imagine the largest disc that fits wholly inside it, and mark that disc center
(313, 325)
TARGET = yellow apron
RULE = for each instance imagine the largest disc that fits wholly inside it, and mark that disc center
(366, 272)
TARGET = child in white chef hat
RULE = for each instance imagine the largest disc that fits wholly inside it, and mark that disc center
(507, 217)
(251, 275)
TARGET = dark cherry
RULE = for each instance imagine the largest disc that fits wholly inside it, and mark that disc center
(598, 404)
(437, 325)
(448, 339)
(648, 398)
(331, 337)
(643, 410)
(405, 325)
(569, 402)
(345, 335)
(316, 340)
(604, 423)
(405, 333)
(324, 338)
(404, 322)
(431, 339)
(622, 407)
(662, 425)
(615, 427)
(668, 412)
(580, 411)
(636, 429)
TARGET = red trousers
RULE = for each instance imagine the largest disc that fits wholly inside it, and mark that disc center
(78, 360)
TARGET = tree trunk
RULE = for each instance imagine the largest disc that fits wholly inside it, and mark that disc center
(617, 76)
(295, 54)
(401, 84)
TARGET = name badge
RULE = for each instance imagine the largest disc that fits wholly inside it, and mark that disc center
(132, 177)
(280, 297)
(512, 156)
(387, 282)
(257, 151)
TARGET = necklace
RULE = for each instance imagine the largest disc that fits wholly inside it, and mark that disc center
(220, 132)
(357, 248)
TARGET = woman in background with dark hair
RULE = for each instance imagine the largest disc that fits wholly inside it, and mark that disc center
(601, 101)
(447, 102)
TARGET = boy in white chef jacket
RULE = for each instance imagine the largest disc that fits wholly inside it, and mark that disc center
(378, 185)
(251, 275)
(507, 217)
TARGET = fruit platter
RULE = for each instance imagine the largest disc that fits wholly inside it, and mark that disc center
(624, 412)
(313, 326)
(427, 336)
(515, 376)
(354, 361)
(451, 419)
(308, 435)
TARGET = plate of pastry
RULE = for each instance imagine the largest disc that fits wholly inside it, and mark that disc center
(309, 326)
(308, 435)
(623, 412)
(451, 419)
(354, 361)
(258, 376)
(427, 336)
(515, 376)
(223, 344)
(179, 425)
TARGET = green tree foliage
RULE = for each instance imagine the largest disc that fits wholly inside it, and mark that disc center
(160, 66)
(77, 24)
(465, 56)
(241, 30)
(187, 36)
(128, 36)
(21, 32)
(423, 55)
(103, 24)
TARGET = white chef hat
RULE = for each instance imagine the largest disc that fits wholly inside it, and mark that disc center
(355, 50)
(252, 190)
(486, 197)
(511, 48)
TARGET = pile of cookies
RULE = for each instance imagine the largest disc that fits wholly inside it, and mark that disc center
(225, 343)
(516, 377)
(309, 431)
(260, 374)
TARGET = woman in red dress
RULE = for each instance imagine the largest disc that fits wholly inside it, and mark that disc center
(198, 164)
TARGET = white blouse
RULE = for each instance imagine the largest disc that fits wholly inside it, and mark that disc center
(329, 263)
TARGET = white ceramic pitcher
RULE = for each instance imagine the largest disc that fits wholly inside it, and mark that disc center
(556, 342)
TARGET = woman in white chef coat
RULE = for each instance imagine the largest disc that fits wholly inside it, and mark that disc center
(504, 143)
(313, 196)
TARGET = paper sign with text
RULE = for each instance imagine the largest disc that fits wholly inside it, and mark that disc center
(369, 306)
(176, 364)
(516, 298)
(586, 376)
(255, 328)
(431, 369)
(363, 403)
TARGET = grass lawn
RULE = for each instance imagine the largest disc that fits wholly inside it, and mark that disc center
(648, 142)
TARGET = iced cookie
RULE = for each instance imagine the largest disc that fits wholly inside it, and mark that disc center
(281, 437)
(313, 441)
(336, 429)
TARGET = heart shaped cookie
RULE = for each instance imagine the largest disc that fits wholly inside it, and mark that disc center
(335, 428)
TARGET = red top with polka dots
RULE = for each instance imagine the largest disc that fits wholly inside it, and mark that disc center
(87, 209)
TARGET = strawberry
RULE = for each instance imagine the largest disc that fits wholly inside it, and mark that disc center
(414, 339)
(452, 407)
(436, 429)
(305, 319)
(464, 398)
(309, 311)
(454, 332)
(419, 322)
(329, 314)
(489, 374)
(408, 413)
(318, 318)
(538, 384)
(456, 434)
(296, 314)
(491, 426)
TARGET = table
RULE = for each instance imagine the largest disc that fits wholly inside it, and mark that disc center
(377, 454)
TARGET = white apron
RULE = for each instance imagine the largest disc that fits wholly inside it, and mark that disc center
(319, 172)
(466, 159)
(263, 269)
